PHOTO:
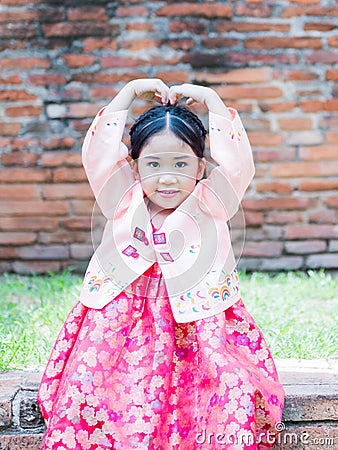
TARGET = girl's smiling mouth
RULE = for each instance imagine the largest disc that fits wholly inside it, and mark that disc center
(167, 193)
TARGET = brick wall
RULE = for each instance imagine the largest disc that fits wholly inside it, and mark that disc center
(276, 62)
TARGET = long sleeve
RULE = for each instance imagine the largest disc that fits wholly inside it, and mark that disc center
(104, 160)
(231, 150)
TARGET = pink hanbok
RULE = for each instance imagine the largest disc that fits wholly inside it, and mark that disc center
(124, 372)
(129, 377)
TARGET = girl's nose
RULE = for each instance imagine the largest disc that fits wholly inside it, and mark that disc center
(167, 178)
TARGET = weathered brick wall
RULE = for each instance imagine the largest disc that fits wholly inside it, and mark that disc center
(276, 62)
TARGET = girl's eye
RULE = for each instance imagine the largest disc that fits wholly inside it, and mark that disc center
(153, 164)
(180, 164)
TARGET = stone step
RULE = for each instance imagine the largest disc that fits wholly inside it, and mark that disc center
(310, 417)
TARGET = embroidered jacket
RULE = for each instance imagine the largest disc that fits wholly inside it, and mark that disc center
(192, 246)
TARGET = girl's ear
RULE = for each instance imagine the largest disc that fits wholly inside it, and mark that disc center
(134, 166)
(202, 162)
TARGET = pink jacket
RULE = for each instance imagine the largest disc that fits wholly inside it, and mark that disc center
(192, 246)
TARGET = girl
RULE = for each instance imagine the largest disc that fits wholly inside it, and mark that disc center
(160, 352)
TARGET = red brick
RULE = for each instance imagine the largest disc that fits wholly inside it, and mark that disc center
(67, 190)
(277, 106)
(76, 223)
(309, 137)
(179, 26)
(331, 137)
(19, 191)
(274, 186)
(323, 216)
(331, 202)
(63, 236)
(108, 62)
(19, 15)
(295, 123)
(35, 223)
(107, 78)
(333, 41)
(102, 92)
(282, 42)
(137, 11)
(262, 248)
(36, 252)
(82, 207)
(77, 29)
(219, 42)
(10, 129)
(254, 219)
(58, 143)
(76, 60)
(304, 169)
(250, 27)
(310, 231)
(235, 92)
(265, 139)
(254, 10)
(64, 174)
(33, 207)
(19, 159)
(305, 247)
(311, 106)
(285, 203)
(319, 26)
(300, 75)
(47, 79)
(319, 153)
(309, 11)
(332, 75)
(17, 238)
(10, 79)
(87, 13)
(283, 217)
(91, 44)
(196, 10)
(239, 76)
(319, 184)
(24, 111)
(175, 76)
(55, 159)
(322, 57)
(180, 44)
(331, 105)
(24, 63)
(24, 175)
(16, 95)
(137, 45)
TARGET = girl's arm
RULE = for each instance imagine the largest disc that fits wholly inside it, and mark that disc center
(103, 153)
(229, 147)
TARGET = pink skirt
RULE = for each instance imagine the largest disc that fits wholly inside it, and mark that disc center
(129, 377)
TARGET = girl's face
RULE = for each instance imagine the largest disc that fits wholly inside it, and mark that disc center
(168, 170)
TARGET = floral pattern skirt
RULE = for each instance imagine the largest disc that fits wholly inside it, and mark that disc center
(129, 377)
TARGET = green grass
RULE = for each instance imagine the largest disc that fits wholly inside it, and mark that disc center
(297, 313)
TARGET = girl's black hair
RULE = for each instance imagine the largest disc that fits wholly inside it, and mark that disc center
(182, 122)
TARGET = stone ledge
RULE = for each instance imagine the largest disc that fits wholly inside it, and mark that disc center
(310, 417)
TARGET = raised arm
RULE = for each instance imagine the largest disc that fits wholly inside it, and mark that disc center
(103, 153)
(229, 148)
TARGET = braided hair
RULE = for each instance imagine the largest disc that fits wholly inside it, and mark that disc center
(179, 120)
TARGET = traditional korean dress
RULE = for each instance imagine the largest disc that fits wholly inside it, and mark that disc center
(128, 375)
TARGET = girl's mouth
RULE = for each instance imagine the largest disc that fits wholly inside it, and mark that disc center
(167, 193)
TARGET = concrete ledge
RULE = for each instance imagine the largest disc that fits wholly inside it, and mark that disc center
(310, 417)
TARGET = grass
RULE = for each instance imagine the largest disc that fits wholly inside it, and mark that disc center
(297, 313)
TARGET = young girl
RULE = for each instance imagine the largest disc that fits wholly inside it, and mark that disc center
(160, 352)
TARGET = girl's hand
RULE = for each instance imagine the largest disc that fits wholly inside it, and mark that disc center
(199, 94)
(149, 89)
